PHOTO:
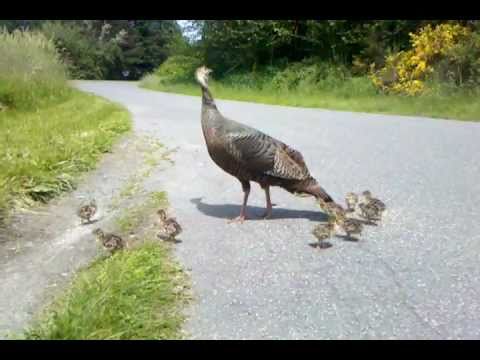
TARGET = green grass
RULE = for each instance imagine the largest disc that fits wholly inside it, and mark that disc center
(353, 94)
(137, 293)
(130, 295)
(43, 151)
(49, 132)
(133, 217)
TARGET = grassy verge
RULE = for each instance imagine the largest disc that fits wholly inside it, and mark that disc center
(43, 151)
(137, 293)
(132, 218)
(355, 94)
(49, 135)
(130, 295)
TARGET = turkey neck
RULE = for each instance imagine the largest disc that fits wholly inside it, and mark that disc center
(210, 114)
(207, 98)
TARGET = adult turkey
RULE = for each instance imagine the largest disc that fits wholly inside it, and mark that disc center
(250, 155)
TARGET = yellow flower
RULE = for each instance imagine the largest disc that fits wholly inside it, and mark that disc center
(412, 65)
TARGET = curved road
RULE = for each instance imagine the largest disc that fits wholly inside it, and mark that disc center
(417, 275)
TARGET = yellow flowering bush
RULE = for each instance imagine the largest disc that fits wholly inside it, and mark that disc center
(405, 72)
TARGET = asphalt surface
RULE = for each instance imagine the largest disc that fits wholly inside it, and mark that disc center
(415, 276)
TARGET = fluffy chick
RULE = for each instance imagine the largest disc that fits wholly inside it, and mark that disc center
(351, 199)
(110, 242)
(86, 212)
(169, 226)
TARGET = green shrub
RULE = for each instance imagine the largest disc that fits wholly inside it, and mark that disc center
(31, 71)
(178, 68)
(461, 65)
(149, 81)
(444, 56)
(247, 79)
(86, 55)
(78, 52)
(309, 72)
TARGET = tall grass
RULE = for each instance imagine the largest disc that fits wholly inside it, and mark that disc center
(49, 132)
(311, 84)
(31, 71)
(43, 152)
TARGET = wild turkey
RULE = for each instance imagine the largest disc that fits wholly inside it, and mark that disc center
(351, 226)
(369, 212)
(351, 199)
(250, 155)
(379, 204)
(169, 226)
(110, 242)
(323, 232)
(86, 212)
(372, 209)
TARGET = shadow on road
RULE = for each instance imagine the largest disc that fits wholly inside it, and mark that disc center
(228, 211)
(347, 238)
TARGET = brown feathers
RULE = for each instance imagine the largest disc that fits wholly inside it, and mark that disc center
(169, 227)
(351, 199)
(110, 242)
(251, 155)
(86, 212)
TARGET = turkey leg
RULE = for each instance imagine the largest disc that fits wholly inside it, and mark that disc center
(246, 191)
(268, 213)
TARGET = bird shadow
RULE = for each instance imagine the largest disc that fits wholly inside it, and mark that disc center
(369, 222)
(323, 245)
(175, 241)
(365, 222)
(347, 238)
(171, 241)
(229, 211)
(90, 222)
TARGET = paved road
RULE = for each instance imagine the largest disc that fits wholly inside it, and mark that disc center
(417, 275)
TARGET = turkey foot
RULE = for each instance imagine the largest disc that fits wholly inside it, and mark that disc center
(239, 219)
(267, 214)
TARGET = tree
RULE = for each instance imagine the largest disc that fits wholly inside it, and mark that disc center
(247, 43)
(107, 49)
